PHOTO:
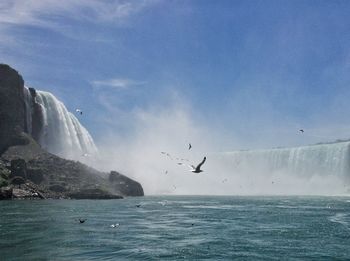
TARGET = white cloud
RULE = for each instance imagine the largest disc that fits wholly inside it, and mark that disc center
(117, 83)
(39, 13)
(73, 19)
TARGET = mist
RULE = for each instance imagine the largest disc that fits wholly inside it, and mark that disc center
(154, 132)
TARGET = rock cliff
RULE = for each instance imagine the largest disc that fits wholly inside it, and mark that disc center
(28, 171)
(12, 109)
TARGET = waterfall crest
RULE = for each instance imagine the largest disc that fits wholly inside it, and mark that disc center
(60, 132)
(305, 161)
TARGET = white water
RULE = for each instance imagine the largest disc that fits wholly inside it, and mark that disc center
(62, 134)
(28, 106)
(307, 170)
(306, 161)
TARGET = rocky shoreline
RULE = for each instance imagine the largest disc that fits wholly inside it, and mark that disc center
(27, 171)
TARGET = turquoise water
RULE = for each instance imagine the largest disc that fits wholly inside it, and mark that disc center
(177, 228)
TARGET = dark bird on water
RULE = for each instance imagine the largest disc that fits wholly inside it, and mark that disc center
(198, 168)
(138, 205)
(189, 146)
(302, 131)
(82, 220)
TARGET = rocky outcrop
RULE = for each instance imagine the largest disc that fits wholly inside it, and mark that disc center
(4, 174)
(28, 171)
(55, 177)
(18, 168)
(6, 192)
(124, 185)
(12, 109)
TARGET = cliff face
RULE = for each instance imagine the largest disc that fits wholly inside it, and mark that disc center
(12, 109)
(27, 170)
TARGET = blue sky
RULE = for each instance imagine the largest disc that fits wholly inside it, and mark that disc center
(248, 74)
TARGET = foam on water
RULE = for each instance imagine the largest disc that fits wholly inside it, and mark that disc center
(341, 218)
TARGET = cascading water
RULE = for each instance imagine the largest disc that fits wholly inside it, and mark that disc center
(323, 159)
(28, 102)
(316, 169)
(61, 133)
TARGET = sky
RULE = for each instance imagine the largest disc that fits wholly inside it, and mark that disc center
(228, 75)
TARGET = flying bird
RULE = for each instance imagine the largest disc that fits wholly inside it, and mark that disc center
(115, 225)
(79, 111)
(198, 168)
(189, 146)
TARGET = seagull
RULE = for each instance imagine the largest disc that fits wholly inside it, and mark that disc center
(302, 131)
(115, 225)
(189, 146)
(82, 220)
(79, 111)
(198, 168)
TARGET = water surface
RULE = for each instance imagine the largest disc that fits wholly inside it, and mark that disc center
(177, 228)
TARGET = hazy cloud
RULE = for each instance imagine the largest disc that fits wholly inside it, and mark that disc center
(39, 13)
(52, 15)
(117, 83)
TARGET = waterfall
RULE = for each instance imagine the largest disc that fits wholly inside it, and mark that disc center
(28, 103)
(322, 169)
(60, 132)
(306, 161)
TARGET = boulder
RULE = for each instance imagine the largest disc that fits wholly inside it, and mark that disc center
(35, 175)
(57, 188)
(17, 181)
(24, 194)
(6, 193)
(124, 185)
(18, 168)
